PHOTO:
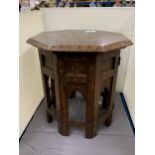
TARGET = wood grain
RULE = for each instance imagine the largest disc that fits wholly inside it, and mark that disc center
(79, 41)
(84, 61)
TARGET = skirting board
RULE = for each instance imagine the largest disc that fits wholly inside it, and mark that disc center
(127, 112)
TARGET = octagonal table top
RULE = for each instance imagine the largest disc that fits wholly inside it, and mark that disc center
(79, 41)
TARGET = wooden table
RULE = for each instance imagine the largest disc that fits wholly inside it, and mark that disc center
(79, 60)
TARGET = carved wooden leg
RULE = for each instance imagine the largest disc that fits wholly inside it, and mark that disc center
(111, 104)
(91, 104)
(89, 133)
(53, 98)
(91, 123)
(91, 120)
(63, 123)
(105, 94)
(108, 121)
(49, 117)
(63, 130)
(47, 97)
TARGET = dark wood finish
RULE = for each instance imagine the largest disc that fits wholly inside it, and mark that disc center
(79, 41)
(92, 73)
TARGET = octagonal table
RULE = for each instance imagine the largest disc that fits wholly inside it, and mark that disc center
(79, 60)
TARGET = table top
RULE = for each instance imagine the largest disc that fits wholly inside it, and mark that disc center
(79, 41)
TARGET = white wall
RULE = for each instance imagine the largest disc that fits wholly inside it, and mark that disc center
(108, 19)
(129, 85)
(31, 91)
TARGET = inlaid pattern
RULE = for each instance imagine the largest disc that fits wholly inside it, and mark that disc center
(79, 41)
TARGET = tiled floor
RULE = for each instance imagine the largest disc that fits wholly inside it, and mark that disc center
(42, 138)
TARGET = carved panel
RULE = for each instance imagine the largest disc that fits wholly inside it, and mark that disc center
(107, 64)
(47, 61)
(76, 68)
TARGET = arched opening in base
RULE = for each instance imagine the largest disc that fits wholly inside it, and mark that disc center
(76, 106)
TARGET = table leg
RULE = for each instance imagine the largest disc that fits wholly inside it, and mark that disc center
(91, 103)
(46, 97)
(49, 117)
